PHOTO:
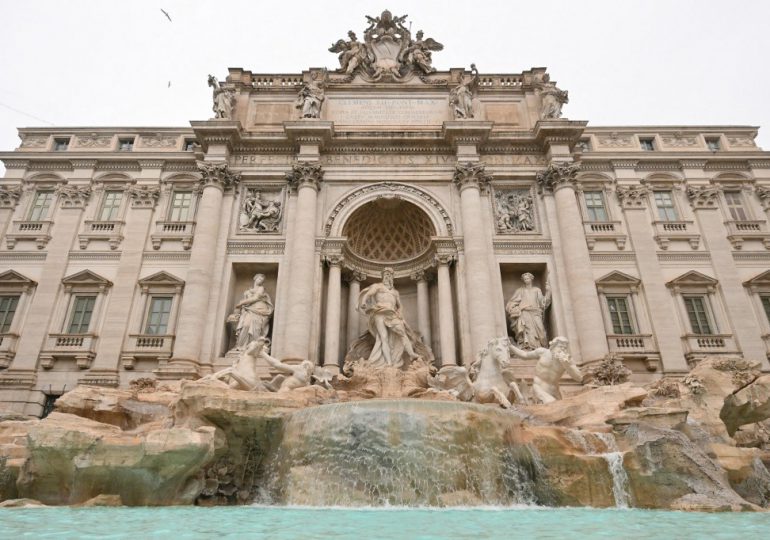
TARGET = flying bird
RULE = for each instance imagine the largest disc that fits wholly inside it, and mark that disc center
(166, 14)
(169, 84)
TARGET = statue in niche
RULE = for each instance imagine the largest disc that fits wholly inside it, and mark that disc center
(489, 380)
(552, 99)
(223, 100)
(525, 310)
(258, 214)
(418, 53)
(461, 96)
(515, 211)
(310, 98)
(252, 314)
(551, 364)
(352, 53)
(392, 337)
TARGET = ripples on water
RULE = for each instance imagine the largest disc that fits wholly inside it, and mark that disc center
(279, 523)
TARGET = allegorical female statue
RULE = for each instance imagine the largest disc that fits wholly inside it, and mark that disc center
(525, 310)
(253, 314)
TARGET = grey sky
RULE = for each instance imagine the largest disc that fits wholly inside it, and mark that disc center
(105, 63)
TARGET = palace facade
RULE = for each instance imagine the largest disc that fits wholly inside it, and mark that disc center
(124, 251)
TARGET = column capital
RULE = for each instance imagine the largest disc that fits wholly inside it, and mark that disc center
(420, 275)
(217, 174)
(633, 197)
(703, 197)
(353, 275)
(334, 259)
(305, 173)
(557, 175)
(444, 259)
(471, 174)
(73, 196)
(9, 196)
(143, 196)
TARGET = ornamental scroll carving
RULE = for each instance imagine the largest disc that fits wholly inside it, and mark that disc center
(515, 211)
(703, 196)
(73, 196)
(258, 213)
(764, 196)
(557, 174)
(305, 174)
(143, 196)
(94, 141)
(471, 174)
(9, 196)
(217, 174)
(633, 196)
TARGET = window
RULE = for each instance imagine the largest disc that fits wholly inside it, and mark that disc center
(80, 319)
(713, 144)
(735, 205)
(619, 315)
(595, 206)
(696, 312)
(61, 145)
(647, 144)
(181, 203)
(157, 317)
(126, 145)
(189, 145)
(8, 306)
(664, 201)
(111, 205)
(40, 205)
(766, 306)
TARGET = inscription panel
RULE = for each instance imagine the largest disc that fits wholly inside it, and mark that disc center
(387, 111)
(256, 160)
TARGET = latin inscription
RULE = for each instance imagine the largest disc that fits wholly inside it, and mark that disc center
(254, 160)
(387, 112)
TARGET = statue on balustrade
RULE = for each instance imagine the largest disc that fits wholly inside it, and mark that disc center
(223, 100)
(526, 310)
(461, 96)
(551, 364)
(310, 98)
(252, 314)
(552, 99)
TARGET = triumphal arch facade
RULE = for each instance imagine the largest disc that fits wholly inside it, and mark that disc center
(161, 252)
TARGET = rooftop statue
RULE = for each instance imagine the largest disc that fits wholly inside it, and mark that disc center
(461, 96)
(552, 99)
(311, 98)
(551, 365)
(223, 100)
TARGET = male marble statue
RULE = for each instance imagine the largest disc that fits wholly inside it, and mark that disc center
(551, 365)
(252, 313)
(525, 312)
(382, 304)
(310, 98)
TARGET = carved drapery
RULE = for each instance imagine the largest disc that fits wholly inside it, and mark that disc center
(703, 196)
(259, 214)
(305, 174)
(471, 174)
(73, 196)
(217, 174)
(9, 196)
(514, 211)
(143, 196)
(557, 175)
(633, 196)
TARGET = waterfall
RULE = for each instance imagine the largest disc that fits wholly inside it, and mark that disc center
(614, 458)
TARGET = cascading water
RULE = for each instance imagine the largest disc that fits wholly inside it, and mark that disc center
(403, 452)
(614, 459)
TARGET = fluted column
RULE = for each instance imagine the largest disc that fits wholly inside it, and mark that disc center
(333, 301)
(354, 319)
(470, 177)
(559, 179)
(216, 177)
(306, 178)
(446, 323)
(423, 305)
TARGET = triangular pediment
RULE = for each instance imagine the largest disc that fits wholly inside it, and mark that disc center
(762, 279)
(11, 277)
(161, 278)
(618, 278)
(693, 277)
(86, 277)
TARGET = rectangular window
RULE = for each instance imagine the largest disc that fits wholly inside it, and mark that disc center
(647, 144)
(735, 205)
(713, 144)
(61, 145)
(181, 202)
(126, 145)
(7, 311)
(157, 317)
(766, 305)
(619, 315)
(189, 145)
(82, 309)
(696, 312)
(40, 205)
(111, 206)
(664, 201)
(595, 206)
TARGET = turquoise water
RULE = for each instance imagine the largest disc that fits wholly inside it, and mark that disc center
(279, 523)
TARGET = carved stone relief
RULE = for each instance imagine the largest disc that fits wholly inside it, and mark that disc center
(741, 141)
(514, 211)
(613, 140)
(679, 141)
(764, 196)
(9, 196)
(94, 141)
(73, 196)
(143, 196)
(633, 196)
(34, 141)
(159, 141)
(703, 196)
(260, 213)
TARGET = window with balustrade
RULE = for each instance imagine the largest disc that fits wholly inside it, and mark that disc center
(111, 205)
(665, 205)
(620, 315)
(180, 208)
(41, 205)
(698, 314)
(80, 314)
(8, 305)
(624, 311)
(158, 315)
(596, 209)
(15, 291)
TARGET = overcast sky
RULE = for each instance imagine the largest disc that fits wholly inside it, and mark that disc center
(108, 63)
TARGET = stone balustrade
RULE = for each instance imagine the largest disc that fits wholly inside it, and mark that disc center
(182, 231)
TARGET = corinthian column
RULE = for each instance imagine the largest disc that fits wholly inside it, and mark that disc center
(470, 177)
(558, 179)
(306, 178)
(216, 178)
